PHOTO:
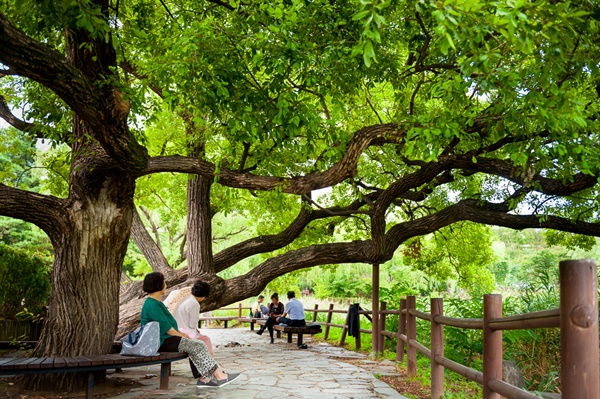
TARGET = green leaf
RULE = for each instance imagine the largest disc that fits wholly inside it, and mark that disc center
(361, 15)
(369, 53)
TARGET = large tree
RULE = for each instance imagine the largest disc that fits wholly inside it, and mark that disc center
(417, 115)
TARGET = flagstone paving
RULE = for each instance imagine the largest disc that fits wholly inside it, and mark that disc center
(278, 370)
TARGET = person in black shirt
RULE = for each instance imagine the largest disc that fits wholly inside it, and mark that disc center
(275, 311)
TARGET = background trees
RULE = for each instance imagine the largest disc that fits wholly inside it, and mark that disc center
(416, 115)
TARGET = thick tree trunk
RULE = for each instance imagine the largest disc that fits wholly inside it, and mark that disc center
(83, 313)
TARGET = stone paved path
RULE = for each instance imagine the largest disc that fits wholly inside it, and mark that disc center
(280, 370)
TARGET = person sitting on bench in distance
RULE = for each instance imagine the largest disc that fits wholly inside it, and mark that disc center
(275, 310)
(187, 313)
(258, 309)
(294, 310)
(171, 340)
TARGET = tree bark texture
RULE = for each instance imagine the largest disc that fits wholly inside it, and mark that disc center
(199, 228)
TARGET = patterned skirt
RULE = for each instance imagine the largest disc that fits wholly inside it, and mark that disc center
(199, 355)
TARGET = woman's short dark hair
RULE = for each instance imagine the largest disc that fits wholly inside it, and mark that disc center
(275, 295)
(153, 282)
(200, 289)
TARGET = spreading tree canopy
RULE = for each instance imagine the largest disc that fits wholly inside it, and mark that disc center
(414, 114)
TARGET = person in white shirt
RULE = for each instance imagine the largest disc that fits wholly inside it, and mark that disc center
(258, 309)
(294, 312)
(187, 313)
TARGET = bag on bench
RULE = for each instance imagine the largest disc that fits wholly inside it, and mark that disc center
(143, 341)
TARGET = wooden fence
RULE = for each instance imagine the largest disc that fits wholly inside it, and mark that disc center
(19, 330)
(577, 319)
(242, 310)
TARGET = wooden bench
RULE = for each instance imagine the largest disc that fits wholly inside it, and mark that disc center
(252, 321)
(300, 331)
(88, 364)
(224, 319)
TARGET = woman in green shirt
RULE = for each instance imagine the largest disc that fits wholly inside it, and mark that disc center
(171, 340)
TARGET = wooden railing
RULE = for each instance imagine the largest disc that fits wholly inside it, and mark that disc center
(577, 319)
(19, 330)
(239, 308)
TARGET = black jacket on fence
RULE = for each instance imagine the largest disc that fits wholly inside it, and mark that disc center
(353, 322)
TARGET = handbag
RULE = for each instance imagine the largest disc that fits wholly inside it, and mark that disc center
(143, 341)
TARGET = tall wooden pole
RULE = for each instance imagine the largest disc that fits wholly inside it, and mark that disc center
(492, 344)
(580, 374)
(437, 349)
(375, 315)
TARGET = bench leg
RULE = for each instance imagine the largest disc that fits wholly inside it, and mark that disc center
(278, 334)
(165, 372)
(251, 326)
(225, 323)
(289, 338)
(90, 385)
(300, 339)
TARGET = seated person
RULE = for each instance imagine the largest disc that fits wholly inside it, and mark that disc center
(258, 309)
(187, 313)
(171, 340)
(275, 310)
(294, 310)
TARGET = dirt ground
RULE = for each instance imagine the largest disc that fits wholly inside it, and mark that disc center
(400, 383)
(9, 389)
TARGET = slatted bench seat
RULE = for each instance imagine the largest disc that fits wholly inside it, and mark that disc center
(299, 331)
(252, 321)
(261, 322)
(224, 319)
(89, 364)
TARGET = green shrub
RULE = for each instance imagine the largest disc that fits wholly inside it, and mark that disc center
(536, 351)
(24, 283)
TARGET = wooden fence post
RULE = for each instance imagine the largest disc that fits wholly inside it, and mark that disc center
(580, 374)
(401, 330)
(437, 349)
(492, 344)
(411, 333)
(314, 319)
(240, 310)
(327, 325)
(381, 337)
(345, 329)
(375, 312)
